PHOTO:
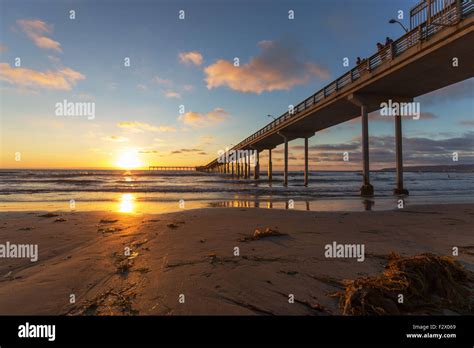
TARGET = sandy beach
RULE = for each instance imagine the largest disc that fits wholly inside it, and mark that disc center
(185, 263)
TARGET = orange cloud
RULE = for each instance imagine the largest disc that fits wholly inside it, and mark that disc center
(62, 79)
(116, 138)
(280, 66)
(204, 119)
(166, 129)
(192, 57)
(141, 127)
(172, 94)
(207, 139)
(161, 81)
(35, 30)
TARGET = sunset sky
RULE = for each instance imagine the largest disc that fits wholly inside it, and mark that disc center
(189, 62)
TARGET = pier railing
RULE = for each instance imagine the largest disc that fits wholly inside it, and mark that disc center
(441, 17)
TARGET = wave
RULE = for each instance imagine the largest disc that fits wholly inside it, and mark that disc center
(71, 174)
(58, 181)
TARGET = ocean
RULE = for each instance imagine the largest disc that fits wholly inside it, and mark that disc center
(143, 191)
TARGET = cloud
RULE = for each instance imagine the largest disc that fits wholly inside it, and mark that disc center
(416, 150)
(85, 97)
(375, 116)
(116, 138)
(138, 127)
(181, 151)
(279, 66)
(463, 143)
(431, 149)
(460, 90)
(61, 79)
(348, 146)
(162, 81)
(166, 129)
(54, 59)
(3, 48)
(188, 88)
(204, 119)
(172, 94)
(36, 29)
(207, 139)
(142, 87)
(467, 122)
(148, 151)
(192, 57)
(423, 150)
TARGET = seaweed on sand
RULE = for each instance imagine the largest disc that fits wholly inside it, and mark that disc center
(427, 282)
(48, 215)
(260, 233)
(109, 302)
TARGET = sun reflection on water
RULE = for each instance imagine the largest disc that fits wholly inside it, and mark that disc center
(127, 203)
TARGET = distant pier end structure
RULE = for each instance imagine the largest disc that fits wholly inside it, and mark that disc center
(417, 63)
(172, 168)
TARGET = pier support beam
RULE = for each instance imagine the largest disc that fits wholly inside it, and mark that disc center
(367, 189)
(305, 161)
(285, 168)
(270, 178)
(399, 190)
(232, 169)
(246, 169)
(256, 168)
(374, 102)
(285, 172)
(248, 166)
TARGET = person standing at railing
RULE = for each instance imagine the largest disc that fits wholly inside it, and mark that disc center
(359, 63)
(388, 43)
(380, 48)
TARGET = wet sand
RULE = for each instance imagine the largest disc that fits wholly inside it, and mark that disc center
(192, 253)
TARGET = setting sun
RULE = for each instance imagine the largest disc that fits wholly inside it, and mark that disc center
(128, 160)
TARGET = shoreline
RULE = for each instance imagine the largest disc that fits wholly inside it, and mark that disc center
(126, 203)
(192, 253)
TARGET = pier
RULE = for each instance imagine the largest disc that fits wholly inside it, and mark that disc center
(417, 63)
